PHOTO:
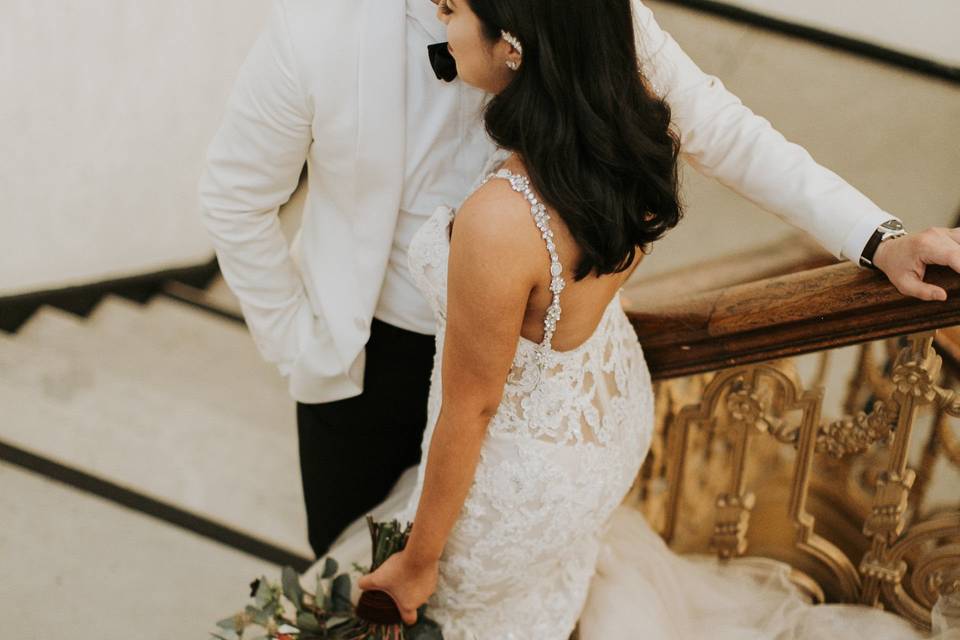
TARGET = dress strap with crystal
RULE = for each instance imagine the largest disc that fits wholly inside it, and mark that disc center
(521, 184)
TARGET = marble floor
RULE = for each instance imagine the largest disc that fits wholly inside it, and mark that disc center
(176, 404)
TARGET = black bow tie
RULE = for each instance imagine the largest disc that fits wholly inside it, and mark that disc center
(442, 62)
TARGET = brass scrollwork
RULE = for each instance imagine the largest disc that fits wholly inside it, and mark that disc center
(769, 427)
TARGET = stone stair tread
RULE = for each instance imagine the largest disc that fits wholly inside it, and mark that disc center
(163, 307)
(220, 294)
(53, 315)
(173, 322)
(168, 322)
(60, 404)
(186, 369)
(101, 570)
(114, 305)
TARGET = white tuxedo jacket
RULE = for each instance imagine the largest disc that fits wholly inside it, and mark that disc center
(324, 83)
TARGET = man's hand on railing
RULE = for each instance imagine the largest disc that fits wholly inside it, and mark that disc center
(904, 260)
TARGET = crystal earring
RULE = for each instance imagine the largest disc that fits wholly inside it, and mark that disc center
(512, 39)
(515, 43)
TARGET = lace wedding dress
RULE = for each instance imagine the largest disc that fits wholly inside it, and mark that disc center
(542, 540)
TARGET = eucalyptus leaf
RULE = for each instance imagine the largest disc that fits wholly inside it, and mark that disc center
(320, 595)
(337, 620)
(424, 629)
(228, 623)
(259, 616)
(329, 568)
(340, 594)
(263, 593)
(350, 629)
(291, 587)
(308, 621)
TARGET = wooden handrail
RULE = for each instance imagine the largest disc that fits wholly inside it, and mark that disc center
(788, 315)
(795, 252)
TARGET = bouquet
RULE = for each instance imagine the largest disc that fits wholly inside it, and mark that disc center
(328, 614)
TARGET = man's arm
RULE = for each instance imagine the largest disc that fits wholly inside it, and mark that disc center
(252, 167)
(724, 139)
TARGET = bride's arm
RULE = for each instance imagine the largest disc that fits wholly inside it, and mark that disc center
(492, 271)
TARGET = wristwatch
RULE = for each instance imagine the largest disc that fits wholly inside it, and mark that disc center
(886, 231)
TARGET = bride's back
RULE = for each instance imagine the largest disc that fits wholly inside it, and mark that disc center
(583, 302)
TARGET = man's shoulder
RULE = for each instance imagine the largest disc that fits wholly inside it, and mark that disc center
(312, 22)
(307, 8)
(321, 34)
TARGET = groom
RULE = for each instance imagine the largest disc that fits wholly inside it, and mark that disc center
(347, 87)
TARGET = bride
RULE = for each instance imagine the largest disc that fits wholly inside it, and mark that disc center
(540, 410)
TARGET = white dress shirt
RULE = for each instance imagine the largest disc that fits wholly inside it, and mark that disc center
(446, 147)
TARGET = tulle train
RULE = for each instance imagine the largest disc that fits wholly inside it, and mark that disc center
(642, 589)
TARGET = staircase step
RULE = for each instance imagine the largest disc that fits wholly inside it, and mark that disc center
(122, 335)
(77, 566)
(221, 294)
(85, 407)
(216, 296)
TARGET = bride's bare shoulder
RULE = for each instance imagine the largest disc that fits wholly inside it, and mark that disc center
(499, 219)
(497, 201)
(495, 205)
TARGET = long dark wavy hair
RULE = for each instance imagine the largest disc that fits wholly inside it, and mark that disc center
(596, 142)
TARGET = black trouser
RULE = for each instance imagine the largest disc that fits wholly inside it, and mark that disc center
(352, 451)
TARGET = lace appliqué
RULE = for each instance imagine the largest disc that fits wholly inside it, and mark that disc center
(584, 396)
(427, 259)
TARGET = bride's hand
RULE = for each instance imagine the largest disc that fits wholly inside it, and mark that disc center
(409, 582)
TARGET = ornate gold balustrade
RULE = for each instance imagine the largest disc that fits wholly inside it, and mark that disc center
(861, 497)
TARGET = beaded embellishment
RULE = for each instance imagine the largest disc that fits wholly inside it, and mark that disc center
(521, 184)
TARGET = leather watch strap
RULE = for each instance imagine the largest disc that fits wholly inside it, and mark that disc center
(886, 231)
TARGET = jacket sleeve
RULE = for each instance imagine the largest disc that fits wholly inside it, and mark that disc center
(723, 139)
(252, 167)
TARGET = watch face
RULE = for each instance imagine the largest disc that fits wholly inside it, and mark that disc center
(893, 225)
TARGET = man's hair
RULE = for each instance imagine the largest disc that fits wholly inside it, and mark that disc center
(596, 141)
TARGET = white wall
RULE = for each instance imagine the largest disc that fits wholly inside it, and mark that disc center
(926, 28)
(107, 107)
